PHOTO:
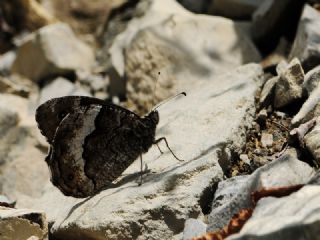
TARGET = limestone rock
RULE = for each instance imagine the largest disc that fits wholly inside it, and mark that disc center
(266, 139)
(174, 42)
(170, 193)
(293, 217)
(306, 45)
(309, 109)
(193, 228)
(312, 141)
(234, 194)
(6, 61)
(289, 86)
(60, 87)
(17, 85)
(267, 93)
(237, 9)
(22, 224)
(312, 79)
(23, 169)
(52, 50)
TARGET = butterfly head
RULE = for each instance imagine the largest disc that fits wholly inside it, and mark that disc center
(153, 117)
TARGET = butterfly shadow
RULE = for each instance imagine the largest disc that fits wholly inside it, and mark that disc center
(126, 179)
(152, 177)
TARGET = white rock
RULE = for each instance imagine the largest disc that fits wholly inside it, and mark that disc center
(235, 193)
(210, 119)
(266, 139)
(6, 61)
(309, 109)
(312, 141)
(52, 50)
(306, 45)
(23, 170)
(293, 217)
(193, 228)
(312, 79)
(22, 224)
(289, 86)
(173, 41)
(60, 87)
(267, 93)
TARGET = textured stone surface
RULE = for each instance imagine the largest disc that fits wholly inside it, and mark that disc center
(173, 41)
(312, 79)
(267, 93)
(293, 217)
(60, 87)
(23, 170)
(312, 141)
(289, 86)
(309, 109)
(193, 228)
(22, 224)
(234, 194)
(306, 45)
(171, 191)
(6, 61)
(51, 51)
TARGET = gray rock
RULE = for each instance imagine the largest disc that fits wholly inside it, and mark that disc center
(293, 217)
(312, 141)
(236, 9)
(17, 85)
(235, 193)
(309, 109)
(24, 172)
(311, 80)
(266, 139)
(306, 45)
(289, 86)
(281, 67)
(52, 50)
(245, 158)
(267, 93)
(160, 41)
(60, 87)
(22, 224)
(170, 194)
(8, 119)
(193, 228)
(6, 61)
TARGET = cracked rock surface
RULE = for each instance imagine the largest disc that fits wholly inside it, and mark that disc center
(171, 192)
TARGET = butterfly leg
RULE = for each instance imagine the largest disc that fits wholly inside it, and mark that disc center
(165, 140)
(141, 171)
(159, 148)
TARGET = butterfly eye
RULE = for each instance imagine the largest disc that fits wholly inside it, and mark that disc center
(62, 115)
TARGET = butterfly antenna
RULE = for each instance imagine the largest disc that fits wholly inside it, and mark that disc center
(154, 90)
(169, 99)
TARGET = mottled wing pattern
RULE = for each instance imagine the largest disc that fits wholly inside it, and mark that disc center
(112, 146)
(50, 114)
(88, 150)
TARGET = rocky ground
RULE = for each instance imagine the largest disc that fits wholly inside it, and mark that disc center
(248, 129)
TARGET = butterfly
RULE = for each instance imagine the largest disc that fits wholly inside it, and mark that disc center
(92, 141)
